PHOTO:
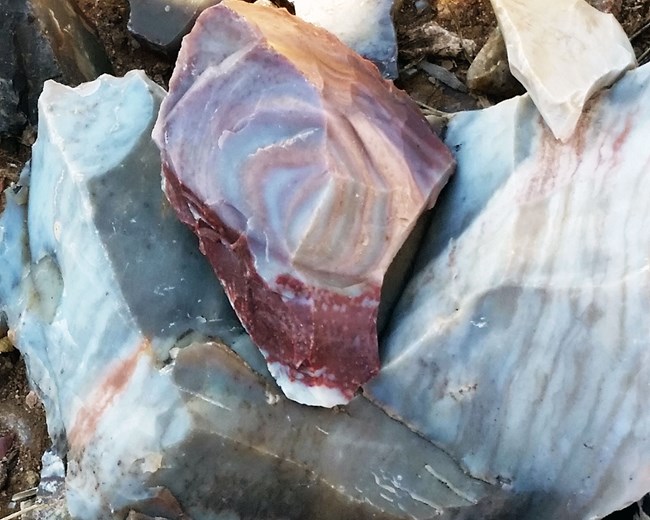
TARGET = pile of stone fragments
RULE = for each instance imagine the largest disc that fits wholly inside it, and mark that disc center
(273, 291)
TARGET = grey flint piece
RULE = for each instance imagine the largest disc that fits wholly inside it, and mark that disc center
(41, 40)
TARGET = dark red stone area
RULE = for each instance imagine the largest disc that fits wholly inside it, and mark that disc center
(322, 337)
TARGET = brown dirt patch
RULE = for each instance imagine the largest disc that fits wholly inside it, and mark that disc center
(22, 418)
(635, 19)
(110, 18)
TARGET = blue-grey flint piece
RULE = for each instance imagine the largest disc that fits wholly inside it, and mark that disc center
(111, 281)
(161, 24)
(112, 304)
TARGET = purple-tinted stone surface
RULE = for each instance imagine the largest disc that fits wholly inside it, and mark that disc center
(302, 172)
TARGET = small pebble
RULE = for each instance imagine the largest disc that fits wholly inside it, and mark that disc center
(27, 504)
(31, 399)
(447, 64)
(421, 5)
(5, 345)
(31, 478)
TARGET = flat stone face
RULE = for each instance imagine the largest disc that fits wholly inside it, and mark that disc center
(163, 23)
(301, 191)
(301, 462)
(366, 27)
(49, 40)
(563, 52)
(521, 344)
(113, 306)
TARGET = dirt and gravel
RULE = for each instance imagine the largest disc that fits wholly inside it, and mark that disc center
(23, 435)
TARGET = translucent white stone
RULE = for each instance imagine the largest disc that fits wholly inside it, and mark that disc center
(364, 25)
(563, 52)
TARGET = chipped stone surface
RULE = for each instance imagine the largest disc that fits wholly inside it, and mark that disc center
(563, 52)
(114, 309)
(44, 39)
(366, 27)
(163, 23)
(301, 192)
(95, 204)
(521, 345)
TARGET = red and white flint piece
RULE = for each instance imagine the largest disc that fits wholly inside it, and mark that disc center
(302, 172)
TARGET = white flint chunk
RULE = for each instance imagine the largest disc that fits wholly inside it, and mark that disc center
(366, 27)
(521, 345)
(563, 52)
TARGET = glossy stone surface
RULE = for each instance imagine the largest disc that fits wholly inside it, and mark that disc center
(114, 309)
(301, 191)
(44, 39)
(163, 23)
(521, 345)
(563, 52)
(366, 27)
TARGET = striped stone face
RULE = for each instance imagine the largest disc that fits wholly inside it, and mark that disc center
(302, 172)
(521, 344)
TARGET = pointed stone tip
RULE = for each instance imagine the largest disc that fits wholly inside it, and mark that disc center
(112, 109)
(311, 395)
(563, 52)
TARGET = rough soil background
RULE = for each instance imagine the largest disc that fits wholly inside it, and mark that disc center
(22, 425)
(21, 416)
